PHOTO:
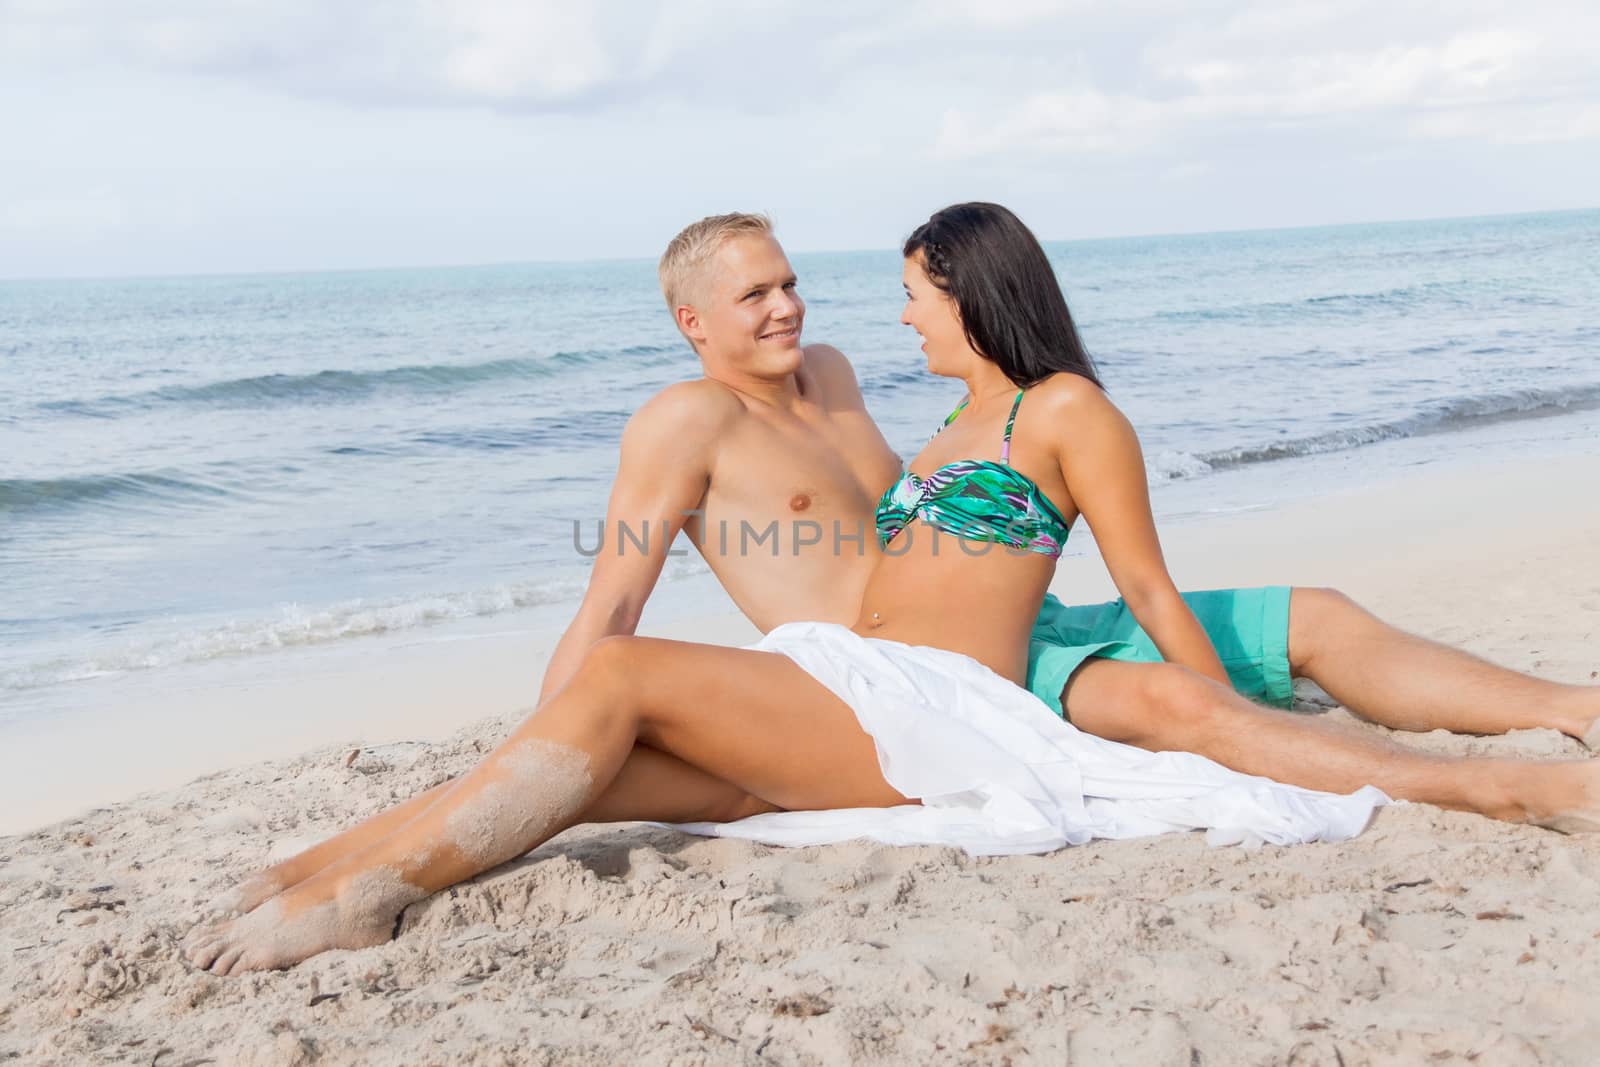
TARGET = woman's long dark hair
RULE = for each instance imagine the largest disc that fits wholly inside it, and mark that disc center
(1010, 301)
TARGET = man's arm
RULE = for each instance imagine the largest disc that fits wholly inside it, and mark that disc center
(662, 476)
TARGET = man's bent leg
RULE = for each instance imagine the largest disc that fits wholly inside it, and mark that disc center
(652, 785)
(1164, 707)
(1406, 682)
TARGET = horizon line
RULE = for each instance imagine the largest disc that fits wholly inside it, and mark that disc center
(560, 261)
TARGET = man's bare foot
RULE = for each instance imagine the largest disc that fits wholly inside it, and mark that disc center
(1576, 807)
(325, 912)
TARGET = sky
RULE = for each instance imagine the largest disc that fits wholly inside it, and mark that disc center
(200, 136)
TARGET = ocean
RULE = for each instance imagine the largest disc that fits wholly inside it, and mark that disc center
(231, 467)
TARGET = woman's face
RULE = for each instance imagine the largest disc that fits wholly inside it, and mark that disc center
(933, 314)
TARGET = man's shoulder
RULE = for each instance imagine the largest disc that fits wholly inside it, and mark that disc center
(697, 404)
(833, 372)
(682, 419)
(827, 360)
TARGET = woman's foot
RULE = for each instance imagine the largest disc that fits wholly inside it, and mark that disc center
(1591, 737)
(251, 893)
(331, 910)
(262, 886)
(259, 888)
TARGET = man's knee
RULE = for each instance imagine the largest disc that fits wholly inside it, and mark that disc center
(1317, 616)
(1179, 698)
(1153, 705)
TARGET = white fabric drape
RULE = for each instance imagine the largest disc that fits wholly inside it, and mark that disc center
(998, 773)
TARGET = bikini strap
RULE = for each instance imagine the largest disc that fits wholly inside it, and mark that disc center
(948, 419)
(1005, 447)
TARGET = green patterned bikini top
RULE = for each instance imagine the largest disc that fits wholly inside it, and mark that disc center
(978, 500)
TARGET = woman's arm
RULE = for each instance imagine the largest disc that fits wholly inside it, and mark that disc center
(1103, 466)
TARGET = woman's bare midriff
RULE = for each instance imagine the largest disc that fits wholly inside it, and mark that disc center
(931, 588)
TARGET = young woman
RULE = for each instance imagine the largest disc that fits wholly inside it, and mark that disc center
(908, 727)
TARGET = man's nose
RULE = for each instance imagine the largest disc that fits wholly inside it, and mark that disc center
(787, 305)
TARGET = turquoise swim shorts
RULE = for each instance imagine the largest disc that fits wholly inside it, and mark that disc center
(1249, 627)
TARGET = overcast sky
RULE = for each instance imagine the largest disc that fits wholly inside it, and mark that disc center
(236, 135)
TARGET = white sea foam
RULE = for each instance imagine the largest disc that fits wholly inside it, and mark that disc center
(291, 626)
(296, 625)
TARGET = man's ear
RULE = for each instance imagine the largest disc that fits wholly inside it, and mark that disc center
(689, 322)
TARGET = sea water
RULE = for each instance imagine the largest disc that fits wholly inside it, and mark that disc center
(201, 468)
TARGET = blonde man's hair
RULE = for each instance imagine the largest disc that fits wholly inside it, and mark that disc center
(686, 257)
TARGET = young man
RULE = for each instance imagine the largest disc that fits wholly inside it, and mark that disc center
(770, 461)
(774, 441)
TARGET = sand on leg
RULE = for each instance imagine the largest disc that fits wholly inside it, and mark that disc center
(1406, 682)
(796, 745)
(651, 782)
(1165, 707)
(263, 885)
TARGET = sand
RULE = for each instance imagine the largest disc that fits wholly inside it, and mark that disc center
(1433, 938)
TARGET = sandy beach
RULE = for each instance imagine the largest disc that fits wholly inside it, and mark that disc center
(1434, 937)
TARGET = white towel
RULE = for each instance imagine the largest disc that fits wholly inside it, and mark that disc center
(998, 773)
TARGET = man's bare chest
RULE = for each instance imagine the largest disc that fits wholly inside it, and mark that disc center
(805, 481)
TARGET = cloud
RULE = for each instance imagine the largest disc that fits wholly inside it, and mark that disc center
(545, 52)
(84, 214)
(1000, 13)
(1082, 120)
(541, 55)
(1031, 76)
(202, 134)
(1538, 122)
(536, 53)
(1520, 76)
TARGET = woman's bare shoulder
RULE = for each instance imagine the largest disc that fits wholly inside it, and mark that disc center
(1066, 399)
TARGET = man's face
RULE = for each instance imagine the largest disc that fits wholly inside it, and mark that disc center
(748, 313)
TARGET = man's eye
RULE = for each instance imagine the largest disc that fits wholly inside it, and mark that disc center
(790, 285)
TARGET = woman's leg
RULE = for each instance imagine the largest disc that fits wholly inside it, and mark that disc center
(1406, 682)
(263, 885)
(754, 720)
(656, 783)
